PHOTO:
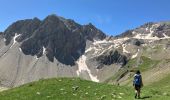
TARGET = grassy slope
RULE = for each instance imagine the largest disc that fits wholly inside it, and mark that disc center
(65, 89)
(159, 90)
(145, 64)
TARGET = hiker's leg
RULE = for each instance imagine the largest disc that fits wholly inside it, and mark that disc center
(139, 93)
(136, 93)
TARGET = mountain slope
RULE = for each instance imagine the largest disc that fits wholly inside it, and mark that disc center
(33, 49)
(77, 89)
(148, 49)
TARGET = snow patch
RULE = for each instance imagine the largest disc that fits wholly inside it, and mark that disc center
(4, 40)
(105, 50)
(82, 66)
(66, 25)
(147, 29)
(119, 42)
(97, 50)
(20, 49)
(116, 45)
(89, 49)
(133, 32)
(16, 35)
(74, 30)
(149, 35)
(36, 57)
(14, 39)
(146, 36)
(44, 50)
(101, 42)
(124, 48)
(165, 36)
(135, 55)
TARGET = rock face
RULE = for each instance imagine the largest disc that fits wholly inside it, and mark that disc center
(62, 39)
(32, 49)
(149, 30)
(111, 57)
(24, 27)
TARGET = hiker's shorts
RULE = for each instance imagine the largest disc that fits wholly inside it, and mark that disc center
(137, 87)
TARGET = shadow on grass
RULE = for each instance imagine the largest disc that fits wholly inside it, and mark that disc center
(146, 97)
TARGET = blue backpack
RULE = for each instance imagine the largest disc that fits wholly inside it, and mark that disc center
(137, 79)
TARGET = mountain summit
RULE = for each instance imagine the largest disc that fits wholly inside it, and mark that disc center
(54, 36)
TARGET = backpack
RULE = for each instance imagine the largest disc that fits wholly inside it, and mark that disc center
(137, 79)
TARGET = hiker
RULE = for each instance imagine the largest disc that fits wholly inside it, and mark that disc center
(137, 83)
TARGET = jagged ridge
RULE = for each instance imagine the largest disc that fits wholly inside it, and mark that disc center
(61, 38)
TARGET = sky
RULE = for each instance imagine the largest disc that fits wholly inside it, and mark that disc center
(111, 16)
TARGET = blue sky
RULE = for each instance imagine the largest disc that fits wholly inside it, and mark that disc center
(111, 16)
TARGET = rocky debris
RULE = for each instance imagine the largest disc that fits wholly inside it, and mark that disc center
(112, 57)
(61, 89)
(38, 93)
(102, 97)
(154, 30)
(75, 88)
(86, 93)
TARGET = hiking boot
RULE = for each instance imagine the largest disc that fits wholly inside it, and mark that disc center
(135, 95)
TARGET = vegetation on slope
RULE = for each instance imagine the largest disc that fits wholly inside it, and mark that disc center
(77, 89)
(66, 89)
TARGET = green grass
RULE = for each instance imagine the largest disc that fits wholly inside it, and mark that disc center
(132, 62)
(64, 89)
(77, 89)
(146, 64)
(159, 90)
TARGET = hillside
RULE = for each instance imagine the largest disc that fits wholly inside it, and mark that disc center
(77, 89)
(56, 47)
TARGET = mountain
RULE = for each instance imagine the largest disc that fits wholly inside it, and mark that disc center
(147, 49)
(34, 49)
(62, 39)
(149, 31)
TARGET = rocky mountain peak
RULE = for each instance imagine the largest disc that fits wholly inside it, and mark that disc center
(55, 37)
(149, 30)
(24, 27)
